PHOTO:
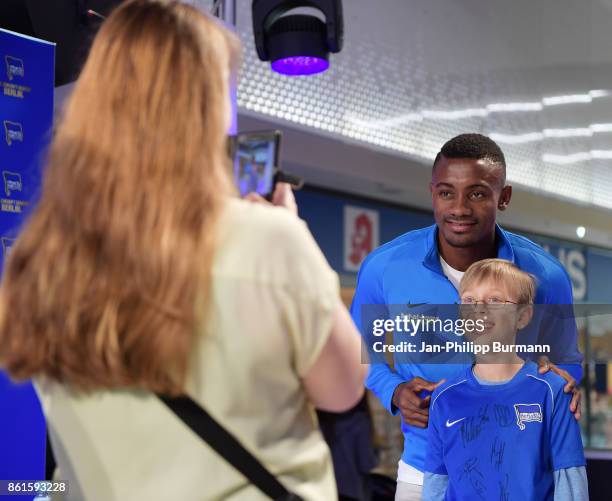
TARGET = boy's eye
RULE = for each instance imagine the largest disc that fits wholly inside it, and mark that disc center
(468, 300)
(495, 300)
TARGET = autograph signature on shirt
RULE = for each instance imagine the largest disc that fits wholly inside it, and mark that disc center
(503, 415)
(504, 489)
(497, 452)
(475, 476)
(472, 427)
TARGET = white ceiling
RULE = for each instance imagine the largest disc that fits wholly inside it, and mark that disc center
(321, 145)
(414, 73)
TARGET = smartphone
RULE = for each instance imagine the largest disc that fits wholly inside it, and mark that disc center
(256, 160)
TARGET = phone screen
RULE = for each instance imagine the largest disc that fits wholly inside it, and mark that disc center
(255, 162)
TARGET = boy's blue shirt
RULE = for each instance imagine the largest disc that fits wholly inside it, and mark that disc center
(407, 270)
(502, 441)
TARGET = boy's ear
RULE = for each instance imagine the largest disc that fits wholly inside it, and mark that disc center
(525, 316)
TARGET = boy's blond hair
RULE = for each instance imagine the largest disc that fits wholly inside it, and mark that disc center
(504, 272)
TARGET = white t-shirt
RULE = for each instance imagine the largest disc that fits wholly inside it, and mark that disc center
(273, 300)
(405, 472)
(451, 273)
(409, 474)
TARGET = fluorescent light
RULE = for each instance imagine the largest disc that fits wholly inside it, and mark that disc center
(417, 116)
(517, 139)
(530, 137)
(601, 154)
(573, 158)
(498, 107)
(580, 231)
(386, 123)
(455, 114)
(575, 132)
(575, 98)
(601, 127)
(582, 156)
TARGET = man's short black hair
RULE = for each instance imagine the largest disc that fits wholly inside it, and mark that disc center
(474, 146)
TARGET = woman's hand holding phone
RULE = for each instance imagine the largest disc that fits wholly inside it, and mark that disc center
(282, 197)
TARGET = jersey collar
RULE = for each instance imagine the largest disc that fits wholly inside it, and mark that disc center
(432, 257)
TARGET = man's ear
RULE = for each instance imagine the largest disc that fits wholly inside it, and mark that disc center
(525, 315)
(504, 199)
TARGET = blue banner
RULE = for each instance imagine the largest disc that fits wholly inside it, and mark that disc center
(26, 118)
(573, 257)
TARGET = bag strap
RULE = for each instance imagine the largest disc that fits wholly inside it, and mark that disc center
(227, 446)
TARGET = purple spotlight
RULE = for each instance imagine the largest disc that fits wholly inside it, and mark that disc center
(300, 65)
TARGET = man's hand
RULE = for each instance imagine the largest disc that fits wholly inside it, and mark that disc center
(414, 409)
(545, 365)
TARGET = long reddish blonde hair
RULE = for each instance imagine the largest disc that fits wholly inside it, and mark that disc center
(101, 286)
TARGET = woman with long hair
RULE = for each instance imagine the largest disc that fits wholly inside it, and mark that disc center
(141, 273)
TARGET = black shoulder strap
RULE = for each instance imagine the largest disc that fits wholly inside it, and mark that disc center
(226, 445)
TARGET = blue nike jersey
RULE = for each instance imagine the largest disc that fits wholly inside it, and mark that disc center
(407, 270)
(502, 441)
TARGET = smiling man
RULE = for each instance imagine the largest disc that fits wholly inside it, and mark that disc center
(468, 187)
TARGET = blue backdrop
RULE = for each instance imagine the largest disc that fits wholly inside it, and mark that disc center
(26, 115)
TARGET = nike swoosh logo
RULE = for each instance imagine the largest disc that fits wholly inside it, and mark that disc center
(449, 424)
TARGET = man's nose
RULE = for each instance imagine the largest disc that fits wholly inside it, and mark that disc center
(461, 208)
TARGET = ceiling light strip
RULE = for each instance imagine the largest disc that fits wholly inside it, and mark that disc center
(573, 158)
(530, 137)
(477, 112)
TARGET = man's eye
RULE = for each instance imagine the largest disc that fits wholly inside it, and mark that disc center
(476, 195)
(445, 194)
